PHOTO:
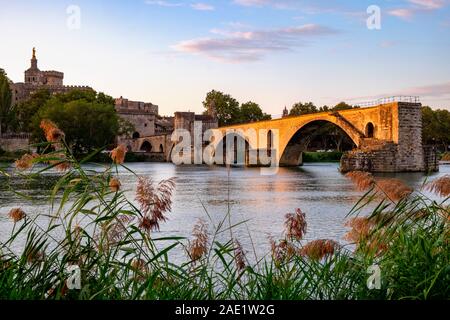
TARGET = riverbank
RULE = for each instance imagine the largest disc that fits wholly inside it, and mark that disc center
(11, 157)
(311, 157)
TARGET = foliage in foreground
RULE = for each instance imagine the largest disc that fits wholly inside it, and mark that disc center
(115, 243)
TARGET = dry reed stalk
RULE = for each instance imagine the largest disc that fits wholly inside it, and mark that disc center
(282, 251)
(52, 133)
(154, 201)
(114, 184)
(198, 247)
(362, 180)
(440, 186)
(118, 154)
(25, 162)
(16, 214)
(394, 189)
(295, 225)
(239, 255)
(319, 249)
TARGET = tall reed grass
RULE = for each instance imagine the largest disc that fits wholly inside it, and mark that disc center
(115, 243)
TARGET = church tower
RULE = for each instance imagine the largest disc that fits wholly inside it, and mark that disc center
(33, 74)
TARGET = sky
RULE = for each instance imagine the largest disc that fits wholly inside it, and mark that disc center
(275, 53)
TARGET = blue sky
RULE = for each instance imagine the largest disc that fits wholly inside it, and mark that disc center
(171, 52)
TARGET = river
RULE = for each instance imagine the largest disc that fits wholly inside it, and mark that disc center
(319, 190)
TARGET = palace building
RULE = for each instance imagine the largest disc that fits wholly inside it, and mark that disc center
(36, 79)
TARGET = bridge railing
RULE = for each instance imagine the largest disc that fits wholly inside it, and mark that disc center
(385, 100)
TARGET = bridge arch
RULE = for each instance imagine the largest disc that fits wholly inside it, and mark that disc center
(238, 152)
(146, 147)
(298, 139)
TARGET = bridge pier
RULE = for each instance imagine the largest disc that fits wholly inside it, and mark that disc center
(404, 153)
(292, 156)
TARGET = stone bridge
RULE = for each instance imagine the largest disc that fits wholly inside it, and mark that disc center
(156, 147)
(388, 137)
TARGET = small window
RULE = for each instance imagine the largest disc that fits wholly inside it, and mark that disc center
(370, 130)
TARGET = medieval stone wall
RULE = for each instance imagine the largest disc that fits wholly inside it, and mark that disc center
(13, 144)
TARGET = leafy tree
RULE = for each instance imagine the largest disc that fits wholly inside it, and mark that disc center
(89, 121)
(436, 127)
(6, 108)
(26, 110)
(226, 106)
(299, 109)
(76, 94)
(324, 109)
(342, 106)
(251, 111)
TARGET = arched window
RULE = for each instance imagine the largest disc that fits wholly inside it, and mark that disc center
(370, 130)
(146, 146)
(161, 148)
(136, 135)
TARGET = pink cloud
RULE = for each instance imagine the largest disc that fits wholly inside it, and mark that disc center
(404, 13)
(429, 4)
(202, 6)
(417, 6)
(241, 46)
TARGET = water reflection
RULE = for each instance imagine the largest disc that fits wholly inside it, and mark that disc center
(318, 189)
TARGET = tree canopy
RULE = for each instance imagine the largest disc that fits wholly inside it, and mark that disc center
(251, 111)
(26, 110)
(227, 108)
(299, 109)
(230, 112)
(436, 127)
(88, 119)
(6, 108)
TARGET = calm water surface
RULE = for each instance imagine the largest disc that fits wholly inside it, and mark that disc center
(324, 194)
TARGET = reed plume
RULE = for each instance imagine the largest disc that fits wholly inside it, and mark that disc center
(118, 154)
(154, 201)
(394, 189)
(440, 186)
(360, 229)
(239, 255)
(141, 269)
(318, 249)
(114, 184)
(112, 232)
(25, 162)
(363, 233)
(295, 225)
(282, 250)
(198, 247)
(362, 180)
(52, 133)
(16, 214)
(34, 255)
